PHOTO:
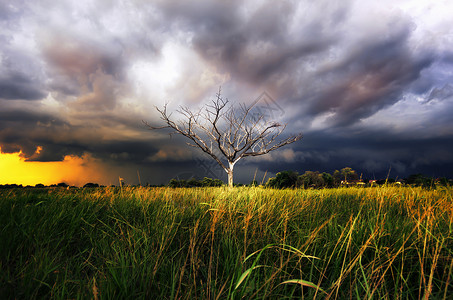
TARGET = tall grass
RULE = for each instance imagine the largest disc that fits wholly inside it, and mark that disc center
(221, 243)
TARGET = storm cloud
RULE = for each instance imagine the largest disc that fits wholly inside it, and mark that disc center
(369, 85)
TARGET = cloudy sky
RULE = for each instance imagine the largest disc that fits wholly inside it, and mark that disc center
(368, 83)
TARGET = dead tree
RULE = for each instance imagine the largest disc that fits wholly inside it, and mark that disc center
(225, 133)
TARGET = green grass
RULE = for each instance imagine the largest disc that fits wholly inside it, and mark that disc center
(221, 243)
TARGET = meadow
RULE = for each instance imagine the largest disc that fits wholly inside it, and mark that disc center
(385, 242)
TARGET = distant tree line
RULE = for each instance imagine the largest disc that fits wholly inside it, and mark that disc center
(313, 179)
(59, 185)
(316, 180)
(287, 179)
(346, 177)
(193, 182)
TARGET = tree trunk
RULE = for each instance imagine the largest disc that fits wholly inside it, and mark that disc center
(230, 177)
(230, 173)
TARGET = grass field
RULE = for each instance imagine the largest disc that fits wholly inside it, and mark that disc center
(220, 243)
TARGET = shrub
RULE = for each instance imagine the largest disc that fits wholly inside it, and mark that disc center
(284, 179)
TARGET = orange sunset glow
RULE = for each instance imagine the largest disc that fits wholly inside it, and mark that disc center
(72, 170)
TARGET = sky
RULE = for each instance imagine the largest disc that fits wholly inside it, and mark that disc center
(368, 83)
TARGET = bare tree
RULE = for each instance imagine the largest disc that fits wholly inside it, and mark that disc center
(235, 133)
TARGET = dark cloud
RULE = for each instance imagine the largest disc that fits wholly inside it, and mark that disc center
(92, 72)
(20, 77)
(373, 154)
(20, 87)
(23, 130)
(372, 75)
(223, 35)
(256, 47)
(273, 47)
(76, 57)
(42, 137)
(30, 128)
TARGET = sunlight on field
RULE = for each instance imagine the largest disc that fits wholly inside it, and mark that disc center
(72, 170)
